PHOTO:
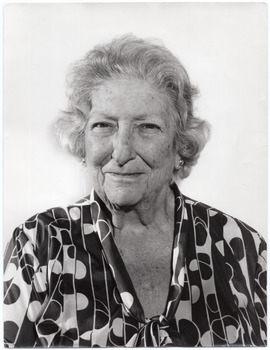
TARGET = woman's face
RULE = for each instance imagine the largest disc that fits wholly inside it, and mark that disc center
(129, 142)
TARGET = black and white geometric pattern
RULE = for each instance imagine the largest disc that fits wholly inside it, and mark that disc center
(66, 284)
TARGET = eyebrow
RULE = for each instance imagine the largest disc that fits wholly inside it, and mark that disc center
(137, 117)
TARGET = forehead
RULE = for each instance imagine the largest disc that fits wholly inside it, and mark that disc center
(129, 96)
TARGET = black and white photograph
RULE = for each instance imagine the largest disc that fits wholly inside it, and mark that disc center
(135, 174)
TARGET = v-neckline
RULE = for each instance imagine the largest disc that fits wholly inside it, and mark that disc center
(103, 226)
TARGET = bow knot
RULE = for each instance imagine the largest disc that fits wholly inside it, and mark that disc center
(161, 319)
(153, 333)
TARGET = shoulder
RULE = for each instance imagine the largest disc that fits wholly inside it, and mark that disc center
(224, 228)
(54, 222)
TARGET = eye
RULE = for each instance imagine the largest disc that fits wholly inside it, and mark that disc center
(150, 127)
(102, 128)
(100, 125)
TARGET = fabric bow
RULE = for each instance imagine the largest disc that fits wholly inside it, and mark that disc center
(158, 330)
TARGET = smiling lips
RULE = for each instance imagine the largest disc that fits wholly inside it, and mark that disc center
(119, 176)
(123, 174)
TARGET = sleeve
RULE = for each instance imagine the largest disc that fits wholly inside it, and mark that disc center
(24, 290)
(260, 289)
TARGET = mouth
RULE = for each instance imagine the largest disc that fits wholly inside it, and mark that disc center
(123, 174)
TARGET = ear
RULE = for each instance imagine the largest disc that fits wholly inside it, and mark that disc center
(177, 160)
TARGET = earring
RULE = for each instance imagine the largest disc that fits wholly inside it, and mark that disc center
(180, 164)
(83, 162)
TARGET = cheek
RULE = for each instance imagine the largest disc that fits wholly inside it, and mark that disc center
(97, 152)
(160, 154)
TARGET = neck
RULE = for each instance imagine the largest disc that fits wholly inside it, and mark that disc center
(152, 211)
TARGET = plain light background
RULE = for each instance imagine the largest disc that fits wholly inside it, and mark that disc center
(223, 46)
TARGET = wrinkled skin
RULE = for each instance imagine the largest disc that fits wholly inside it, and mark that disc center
(129, 143)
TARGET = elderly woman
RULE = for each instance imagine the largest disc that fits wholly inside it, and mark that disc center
(136, 263)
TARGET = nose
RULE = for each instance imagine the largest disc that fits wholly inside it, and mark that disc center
(123, 147)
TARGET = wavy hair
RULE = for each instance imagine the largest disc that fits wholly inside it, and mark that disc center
(130, 57)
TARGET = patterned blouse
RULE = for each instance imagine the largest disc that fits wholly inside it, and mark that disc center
(66, 283)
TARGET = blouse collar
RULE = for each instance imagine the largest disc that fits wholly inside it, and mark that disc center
(103, 226)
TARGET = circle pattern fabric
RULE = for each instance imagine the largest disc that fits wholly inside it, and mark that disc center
(66, 285)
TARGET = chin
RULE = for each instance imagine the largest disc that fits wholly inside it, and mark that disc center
(122, 199)
(122, 194)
